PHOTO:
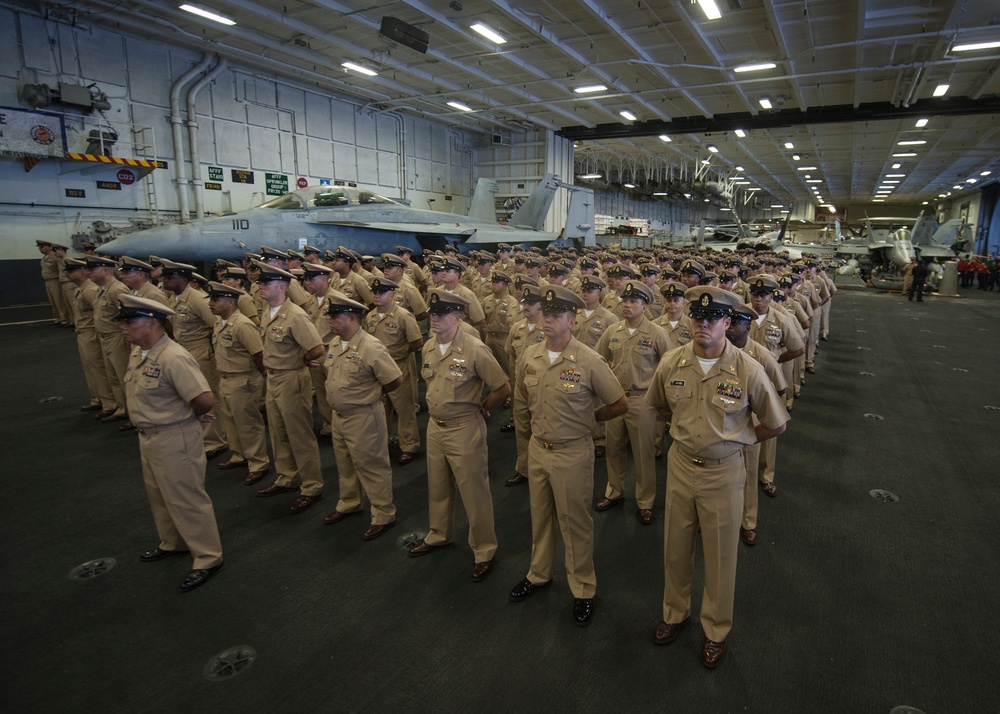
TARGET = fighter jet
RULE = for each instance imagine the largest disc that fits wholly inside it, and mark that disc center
(330, 216)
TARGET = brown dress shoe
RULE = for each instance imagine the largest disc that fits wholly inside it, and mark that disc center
(422, 547)
(748, 536)
(90, 408)
(712, 653)
(375, 530)
(104, 414)
(481, 570)
(231, 464)
(255, 476)
(600, 451)
(515, 480)
(608, 503)
(127, 426)
(303, 502)
(336, 516)
(666, 632)
(770, 489)
(114, 417)
(274, 489)
(645, 516)
(406, 457)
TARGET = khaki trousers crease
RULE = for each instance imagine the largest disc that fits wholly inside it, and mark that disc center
(173, 471)
(242, 420)
(69, 296)
(401, 401)
(457, 457)
(60, 311)
(788, 370)
(293, 443)
(561, 488)
(638, 428)
(215, 434)
(825, 321)
(360, 446)
(710, 496)
(92, 361)
(751, 461)
(318, 376)
(115, 353)
(768, 457)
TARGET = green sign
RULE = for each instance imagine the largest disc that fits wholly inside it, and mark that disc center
(276, 184)
(215, 173)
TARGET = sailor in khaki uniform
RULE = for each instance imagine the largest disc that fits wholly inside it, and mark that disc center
(524, 333)
(316, 278)
(239, 359)
(633, 347)
(398, 330)
(193, 325)
(237, 278)
(360, 371)
(167, 397)
(345, 280)
(113, 348)
(446, 275)
(456, 367)
(291, 346)
(50, 274)
(501, 310)
(279, 259)
(708, 390)
(566, 386)
(65, 284)
(591, 323)
(739, 334)
(87, 342)
(407, 295)
(413, 271)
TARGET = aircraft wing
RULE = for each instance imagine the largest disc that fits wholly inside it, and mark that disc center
(927, 251)
(853, 249)
(435, 227)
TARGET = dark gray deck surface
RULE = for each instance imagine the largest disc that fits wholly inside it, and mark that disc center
(847, 604)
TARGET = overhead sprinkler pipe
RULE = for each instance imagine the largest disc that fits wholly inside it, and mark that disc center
(192, 123)
(180, 170)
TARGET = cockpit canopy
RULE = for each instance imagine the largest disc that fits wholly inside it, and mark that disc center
(326, 197)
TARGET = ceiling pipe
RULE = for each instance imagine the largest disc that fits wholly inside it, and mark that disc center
(180, 168)
(192, 124)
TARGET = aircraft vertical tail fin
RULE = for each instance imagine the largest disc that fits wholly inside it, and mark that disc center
(701, 234)
(580, 216)
(531, 214)
(483, 206)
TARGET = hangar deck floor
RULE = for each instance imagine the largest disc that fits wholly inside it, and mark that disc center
(846, 604)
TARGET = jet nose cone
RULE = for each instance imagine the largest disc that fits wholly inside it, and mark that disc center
(163, 241)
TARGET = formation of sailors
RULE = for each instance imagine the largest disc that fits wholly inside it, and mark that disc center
(595, 353)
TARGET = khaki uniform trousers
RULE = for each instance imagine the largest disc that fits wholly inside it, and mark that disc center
(768, 457)
(561, 489)
(638, 428)
(457, 456)
(797, 371)
(788, 370)
(60, 310)
(360, 447)
(289, 414)
(496, 345)
(522, 434)
(215, 433)
(751, 460)
(92, 361)
(401, 400)
(115, 354)
(173, 470)
(825, 321)
(242, 420)
(318, 376)
(812, 339)
(710, 496)
(69, 296)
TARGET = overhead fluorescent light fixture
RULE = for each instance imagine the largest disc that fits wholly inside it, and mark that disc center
(659, 193)
(831, 209)
(778, 205)
(742, 183)
(971, 180)
(973, 46)
(755, 188)
(941, 90)
(590, 89)
(985, 173)
(208, 14)
(740, 133)
(665, 139)
(627, 114)
(765, 103)
(925, 203)
(590, 176)
(921, 123)
(807, 168)
(912, 142)
(459, 106)
(629, 185)
(785, 211)
(895, 175)
(902, 156)
(789, 145)
(710, 9)
(705, 161)
(740, 168)
(890, 182)
(755, 67)
(878, 200)
(815, 181)
(725, 209)
(958, 188)
(359, 69)
(714, 149)
(489, 33)
(897, 166)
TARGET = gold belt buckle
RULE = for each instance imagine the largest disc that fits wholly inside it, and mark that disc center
(440, 422)
(697, 461)
(547, 445)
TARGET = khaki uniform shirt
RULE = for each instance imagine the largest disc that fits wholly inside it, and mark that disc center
(83, 305)
(769, 363)
(633, 358)
(655, 308)
(395, 329)
(563, 395)
(520, 338)
(500, 316)
(287, 336)
(354, 287)
(811, 293)
(160, 386)
(50, 266)
(107, 306)
(679, 334)
(455, 379)
(409, 298)
(776, 332)
(474, 314)
(317, 313)
(236, 341)
(589, 329)
(151, 292)
(709, 414)
(248, 307)
(297, 294)
(355, 372)
(417, 275)
(194, 321)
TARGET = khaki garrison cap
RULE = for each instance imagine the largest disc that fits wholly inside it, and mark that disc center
(442, 301)
(130, 306)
